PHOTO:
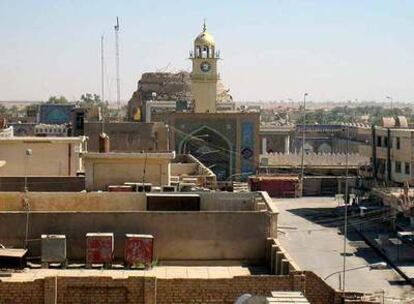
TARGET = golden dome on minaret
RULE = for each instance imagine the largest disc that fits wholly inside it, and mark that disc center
(205, 38)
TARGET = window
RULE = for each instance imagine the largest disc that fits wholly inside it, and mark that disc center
(379, 141)
(385, 141)
(397, 167)
(398, 143)
(407, 168)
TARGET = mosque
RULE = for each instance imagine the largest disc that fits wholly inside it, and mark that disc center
(225, 140)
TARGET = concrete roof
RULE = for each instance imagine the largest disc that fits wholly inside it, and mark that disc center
(132, 155)
(37, 139)
(162, 272)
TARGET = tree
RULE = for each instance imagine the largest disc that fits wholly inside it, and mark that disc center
(91, 100)
(61, 100)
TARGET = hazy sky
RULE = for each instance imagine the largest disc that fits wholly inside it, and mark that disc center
(335, 50)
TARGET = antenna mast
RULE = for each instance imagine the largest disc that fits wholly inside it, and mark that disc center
(102, 70)
(118, 85)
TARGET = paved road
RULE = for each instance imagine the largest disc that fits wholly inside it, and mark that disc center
(309, 232)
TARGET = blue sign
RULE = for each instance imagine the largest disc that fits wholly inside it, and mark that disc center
(247, 147)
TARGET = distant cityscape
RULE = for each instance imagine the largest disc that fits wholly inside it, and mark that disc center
(183, 195)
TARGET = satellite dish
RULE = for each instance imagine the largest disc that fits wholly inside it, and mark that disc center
(242, 299)
(249, 299)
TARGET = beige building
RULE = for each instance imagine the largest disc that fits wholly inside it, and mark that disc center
(204, 75)
(41, 156)
(104, 169)
(392, 156)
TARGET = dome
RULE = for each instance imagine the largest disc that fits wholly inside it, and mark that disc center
(204, 38)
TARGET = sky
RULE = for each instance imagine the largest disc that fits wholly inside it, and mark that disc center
(271, 50)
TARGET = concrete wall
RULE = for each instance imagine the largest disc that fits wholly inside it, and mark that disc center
(49, 157)
(100, 173)
(183, 168)
(129, 136)
(179, 236)
(227, 201)
(43, 183)
(73, 201)
(235, 232)
(117, 201)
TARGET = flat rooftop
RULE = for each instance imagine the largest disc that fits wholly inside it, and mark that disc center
(129, 155)
(39, 139)
(161, 272)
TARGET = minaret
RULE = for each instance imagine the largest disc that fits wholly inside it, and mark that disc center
(204, 74)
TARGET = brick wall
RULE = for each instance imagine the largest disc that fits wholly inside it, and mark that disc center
(80, 290)
(22, 292)
(219, 290)
(317, 291)
(149, 290)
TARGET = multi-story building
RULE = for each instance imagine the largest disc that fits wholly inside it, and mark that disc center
(392, 154)
(390, 148)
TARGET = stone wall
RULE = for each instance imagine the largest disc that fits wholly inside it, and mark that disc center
(150, 290)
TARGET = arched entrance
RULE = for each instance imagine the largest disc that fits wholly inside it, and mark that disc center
(211, 148)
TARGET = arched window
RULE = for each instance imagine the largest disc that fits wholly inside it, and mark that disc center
(206, 52)
(198, 51)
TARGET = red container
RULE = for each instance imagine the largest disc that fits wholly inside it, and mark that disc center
(99, 248)
(276, 186)
(139, 250)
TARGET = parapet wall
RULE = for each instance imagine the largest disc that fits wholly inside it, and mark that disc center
(151, 290)
(313, 159)
(117, 201)
(179, 236)
(43, 183)
(229, 226)
(73, 201)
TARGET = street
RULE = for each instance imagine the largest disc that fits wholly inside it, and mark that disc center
(308, 229)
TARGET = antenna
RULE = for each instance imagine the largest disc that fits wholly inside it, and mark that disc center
(102, 79)
(118, 85)
(102, 70)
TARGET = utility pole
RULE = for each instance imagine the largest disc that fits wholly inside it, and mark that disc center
(303, 140)
(118, 84)
(26, 196)
(346, 211)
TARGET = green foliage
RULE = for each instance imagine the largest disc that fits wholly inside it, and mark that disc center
(61, 100)
(347, 114)
(89, 100)
(12, 112)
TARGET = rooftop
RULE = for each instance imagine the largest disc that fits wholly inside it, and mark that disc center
(37, 139)
(129, 155)
(162, 272)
